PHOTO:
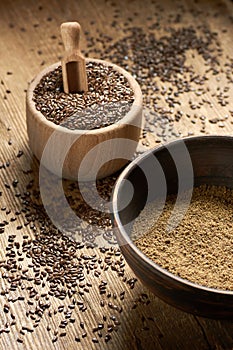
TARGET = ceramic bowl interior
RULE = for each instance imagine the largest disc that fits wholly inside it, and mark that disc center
(195, 160)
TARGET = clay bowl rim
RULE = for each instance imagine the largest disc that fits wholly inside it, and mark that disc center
(135, 109)
(123, 234)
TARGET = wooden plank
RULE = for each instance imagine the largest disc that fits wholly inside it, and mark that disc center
(30, 40)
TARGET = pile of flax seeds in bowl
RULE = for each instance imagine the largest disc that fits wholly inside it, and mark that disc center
(108, 99)
(51, 277)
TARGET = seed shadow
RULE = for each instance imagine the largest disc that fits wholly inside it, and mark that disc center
(156, 325)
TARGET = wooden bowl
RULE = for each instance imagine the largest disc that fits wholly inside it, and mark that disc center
(212, 161)
(57, 140)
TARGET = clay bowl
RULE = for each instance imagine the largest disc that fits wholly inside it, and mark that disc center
(212, 163)
(62, 150)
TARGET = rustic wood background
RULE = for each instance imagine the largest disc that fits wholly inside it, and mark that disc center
(30, 40)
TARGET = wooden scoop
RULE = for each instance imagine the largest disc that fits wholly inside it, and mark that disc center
(73, 63)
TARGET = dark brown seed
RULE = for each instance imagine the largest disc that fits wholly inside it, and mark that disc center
(19, 154)
(6, 308)
(107, 338)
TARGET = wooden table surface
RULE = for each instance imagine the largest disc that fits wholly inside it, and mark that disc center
(30, 40)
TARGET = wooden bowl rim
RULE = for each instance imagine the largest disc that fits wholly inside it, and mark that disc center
(127, 119)
(123, 234)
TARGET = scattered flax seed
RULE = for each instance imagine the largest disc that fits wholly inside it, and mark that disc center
(19, 154)
(50, 256)
(54, 339)
(198, 249)
(82, 325)
(107, 338)
(63, 334)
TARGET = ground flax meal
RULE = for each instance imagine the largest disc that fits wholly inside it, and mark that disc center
(200, 248)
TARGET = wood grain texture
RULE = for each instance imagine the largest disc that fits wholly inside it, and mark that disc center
(73, 63)
(30, 40)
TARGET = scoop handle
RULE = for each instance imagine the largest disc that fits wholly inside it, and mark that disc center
(70, 32)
